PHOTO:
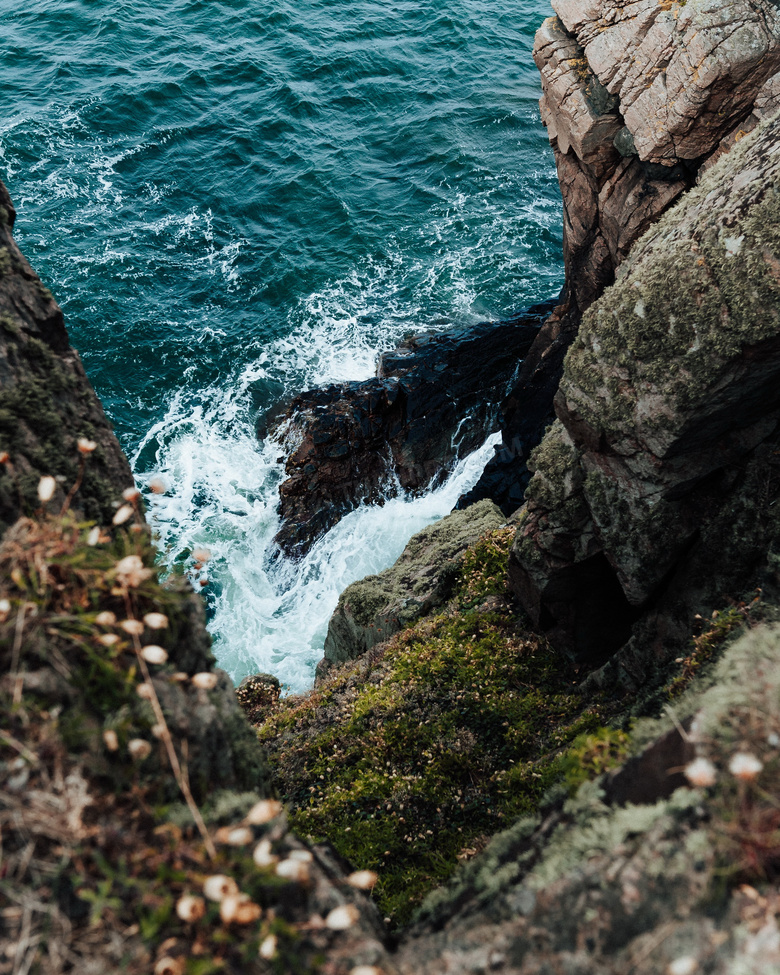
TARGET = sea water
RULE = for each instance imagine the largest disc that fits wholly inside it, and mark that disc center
(236, 201)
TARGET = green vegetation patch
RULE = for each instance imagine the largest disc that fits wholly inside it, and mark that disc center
(408, 761)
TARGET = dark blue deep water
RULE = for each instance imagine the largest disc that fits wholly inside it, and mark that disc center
(235, 201)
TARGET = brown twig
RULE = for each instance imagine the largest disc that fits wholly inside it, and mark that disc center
(182, 779)
(76, 484)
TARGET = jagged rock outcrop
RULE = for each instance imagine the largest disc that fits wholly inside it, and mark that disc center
(435, 399)
(374, 608)
(638, 99)
(46, 400)
(657, 485)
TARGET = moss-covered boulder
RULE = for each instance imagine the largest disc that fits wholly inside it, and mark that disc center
(409, 758)
(371, 610)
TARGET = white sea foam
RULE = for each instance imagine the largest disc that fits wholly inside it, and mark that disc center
(269, 614)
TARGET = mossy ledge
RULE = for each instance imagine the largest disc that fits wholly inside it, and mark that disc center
(410, 758)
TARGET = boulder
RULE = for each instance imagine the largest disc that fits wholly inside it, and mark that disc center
(373, 609)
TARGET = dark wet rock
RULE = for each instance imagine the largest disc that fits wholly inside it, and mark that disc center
(434, 400)
(373, 609)
(46, 400)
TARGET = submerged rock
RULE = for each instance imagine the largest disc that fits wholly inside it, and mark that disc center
(434, 400)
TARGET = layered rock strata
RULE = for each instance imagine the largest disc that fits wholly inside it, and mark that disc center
(638, 99)
(435, 399)
(658, 481)
(46, 400)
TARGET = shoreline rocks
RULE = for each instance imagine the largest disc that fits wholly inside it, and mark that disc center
(435, 399)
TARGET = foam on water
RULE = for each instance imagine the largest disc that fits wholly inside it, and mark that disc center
(267, 613)
(236, 201)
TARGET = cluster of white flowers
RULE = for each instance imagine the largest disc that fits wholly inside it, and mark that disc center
(745, 766)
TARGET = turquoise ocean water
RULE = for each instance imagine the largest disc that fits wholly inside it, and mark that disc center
(236, 201)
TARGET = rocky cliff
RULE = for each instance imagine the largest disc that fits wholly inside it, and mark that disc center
(638, 99)
(46, 400)
(135, 832)
(654, 493)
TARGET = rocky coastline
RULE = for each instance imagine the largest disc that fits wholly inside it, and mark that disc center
(548, 737)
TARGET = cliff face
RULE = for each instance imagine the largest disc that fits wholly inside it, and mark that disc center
(655, 490)
(46, 400)
(637, 97)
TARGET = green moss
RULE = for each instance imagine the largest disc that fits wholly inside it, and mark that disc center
(555, 463)
(459, 728)
(593, 754)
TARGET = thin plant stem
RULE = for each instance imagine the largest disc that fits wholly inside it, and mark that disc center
(76, 484)
(182, 780)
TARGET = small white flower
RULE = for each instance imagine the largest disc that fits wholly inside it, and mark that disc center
(139, 749)
(238, 909)
(365, 970)
(145, 691)
(157, 485)
(293, 870)
(108, 639)
(111, 740)
(131, 494)
(123, 514)
(190, 908)
(205, 680)
(263, 856)
(156, 621)
(217, 887)
(302, 856)
(362, 879)
(234, 835)
(94, 536)
(5, 610)
(268, 947)
(130, 571)
(264, 811)
(85, 446)
(684, 965)
(46, 488)
(341, 918)
(106, 618)
(201, 554)
(701, 773)
(133, 627)
(745, 766)
(153, 654)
